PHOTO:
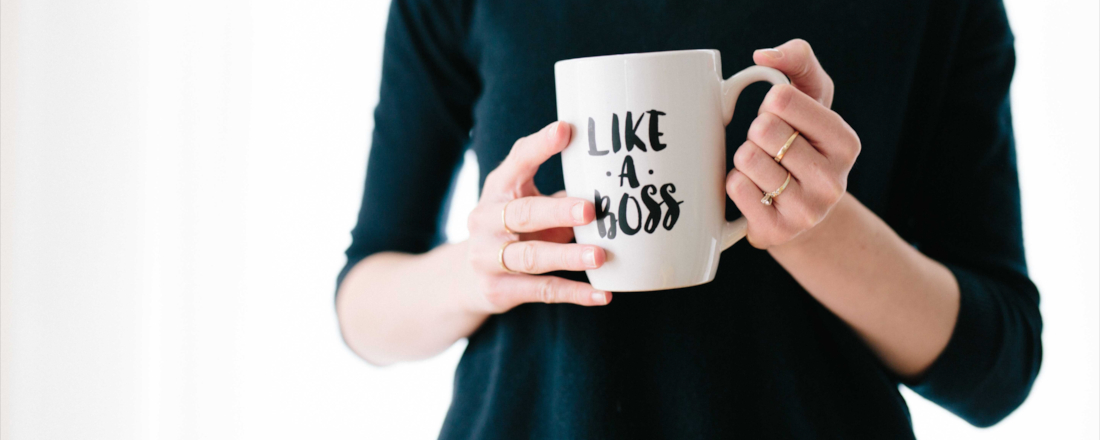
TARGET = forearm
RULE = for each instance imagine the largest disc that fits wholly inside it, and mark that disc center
(394, 307)
(902, 303)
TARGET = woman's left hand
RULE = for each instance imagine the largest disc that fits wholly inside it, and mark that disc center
(818, 160)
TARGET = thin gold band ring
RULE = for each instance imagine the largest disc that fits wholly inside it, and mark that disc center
(767, 200)
(500, 257)
(504, 222)
(783, 151)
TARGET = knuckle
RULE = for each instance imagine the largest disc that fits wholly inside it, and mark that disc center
(779, 98)
(513, 191)
(737, 183)
(741, 157)
(836, 191)
(856, 144)
(546, 292)
(731, 183)
(731, 187)
(518, 143)
(762, 126)
(756, 242)
(801, 45)
(490, 289)
(806, 53)
(530, 258)
(473, 221)
(751, 154)
(848, 137)
(762, 239)
(848, 156)
(522, 211)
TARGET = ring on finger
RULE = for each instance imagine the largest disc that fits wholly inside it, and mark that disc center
(500, 257)
(504, 222)
(767, 200)
(783, 151)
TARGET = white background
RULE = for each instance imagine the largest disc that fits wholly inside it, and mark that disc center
(178, 181)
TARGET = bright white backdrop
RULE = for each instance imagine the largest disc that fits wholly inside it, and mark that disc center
(178, 182)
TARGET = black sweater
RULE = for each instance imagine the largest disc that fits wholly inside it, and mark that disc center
(925, 85)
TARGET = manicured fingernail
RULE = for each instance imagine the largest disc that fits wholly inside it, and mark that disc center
(590, 257)
(553, 130)
(599, 297)
(578, 213)
(774, 54)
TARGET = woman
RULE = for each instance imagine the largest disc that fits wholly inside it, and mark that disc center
(906, 266)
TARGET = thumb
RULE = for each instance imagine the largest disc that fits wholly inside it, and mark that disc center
(796, 59)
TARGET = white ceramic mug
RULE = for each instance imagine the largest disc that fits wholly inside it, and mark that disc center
(649, 149)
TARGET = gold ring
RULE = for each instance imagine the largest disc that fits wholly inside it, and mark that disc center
(504, 222)
(500, 257)
(783, 151)
(767, 200)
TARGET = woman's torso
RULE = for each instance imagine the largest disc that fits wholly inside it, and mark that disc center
(750, 354)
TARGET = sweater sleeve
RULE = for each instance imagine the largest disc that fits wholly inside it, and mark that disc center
(970, 221)
(421, 129)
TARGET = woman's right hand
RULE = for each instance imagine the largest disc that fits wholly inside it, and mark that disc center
(542, 228)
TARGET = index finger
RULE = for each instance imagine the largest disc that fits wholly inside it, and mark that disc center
(531, 151)
(796, 59)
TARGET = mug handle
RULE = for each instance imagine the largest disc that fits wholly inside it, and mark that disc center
(734, 231)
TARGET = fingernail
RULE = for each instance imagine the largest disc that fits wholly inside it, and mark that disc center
(599, 297)
(774, 54)
(590, 257)
(578, 213)
(553, 129)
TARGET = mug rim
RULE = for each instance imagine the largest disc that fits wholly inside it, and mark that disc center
(711, 52)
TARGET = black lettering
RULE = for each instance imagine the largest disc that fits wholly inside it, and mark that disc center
(603, 205)
(670, 202)
(628, 173)
(592, 150)
(654, 218)
(616, 144)
(624, 223)
(631, 134)
(654, 132)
